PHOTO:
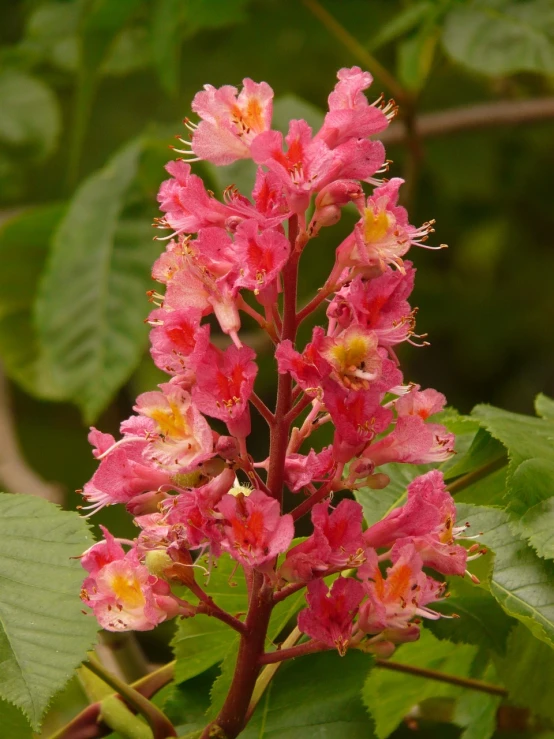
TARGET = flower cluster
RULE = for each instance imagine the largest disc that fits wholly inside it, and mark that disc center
(193, 490)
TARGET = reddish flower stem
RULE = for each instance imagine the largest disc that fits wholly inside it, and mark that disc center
(262, 408)
(232, 717)
(307, 505)
(315, 303)
(297, 409)
(299, 650)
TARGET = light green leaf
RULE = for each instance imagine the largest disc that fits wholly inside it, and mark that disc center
(532, 504)
(43, 633)
(389, 696)
(496, 37)
(91, 303)
(22, 96)
(525, 437)
(527, 671)
(24, 244)
(13, 722)
(316, 697)
(482, 621)
(544, 407)
(522, 583)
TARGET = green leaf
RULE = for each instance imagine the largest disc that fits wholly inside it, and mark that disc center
(484, 450)
(496, 37)
(527, 671)
(203, 641)
(316, 696)
(22, 96)
(13, 722)
(389, 695)
(525, 437)
(201, 14)
(415, 56)
(403, 22)
(522, 583)
(544, 407)
(476, 712)
(129, 52)
(532, 504)
(43, 633)
(91, 303)
(24, 244)
(482, 621)
(166, 40)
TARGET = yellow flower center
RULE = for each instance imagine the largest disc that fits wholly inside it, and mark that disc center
(171, 422)
(127, 590)
(351, 353)
(376, 225)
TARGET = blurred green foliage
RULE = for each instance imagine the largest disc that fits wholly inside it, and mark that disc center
(92, 92)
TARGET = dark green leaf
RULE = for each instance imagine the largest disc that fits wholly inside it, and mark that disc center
(389, 695)
(201, 14)
(91, 303)
(497, 37)
(527, 671)
(22, 96)
(482, 621)
(13, 722)
(484, 450)
(315, 696)
(476, 712)
(43, 633)
(24, 244)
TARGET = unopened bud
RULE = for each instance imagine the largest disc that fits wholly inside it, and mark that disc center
(227, 447)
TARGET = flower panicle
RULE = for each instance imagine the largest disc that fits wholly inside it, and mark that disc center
(193, 490)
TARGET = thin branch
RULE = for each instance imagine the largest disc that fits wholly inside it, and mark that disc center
(297, 409)
(462, 682)
(282, 654)
(473, 117)
(356, 48)
(262, 408)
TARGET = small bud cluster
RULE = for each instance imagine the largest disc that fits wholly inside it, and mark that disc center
(192, 490)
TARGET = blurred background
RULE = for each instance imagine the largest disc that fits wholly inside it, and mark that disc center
(92, 93)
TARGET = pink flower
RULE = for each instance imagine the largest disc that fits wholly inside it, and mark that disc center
(254, 530)
(178, 340)
(422, 403)
(330, 615)
(308, 164)
(230, 120)
(353, 357)
(350, 115)
(428, 522)
(180, 438)
(301, 470)
(414, 442)
(122, 593)
(260, 256)
(383, 236)
(186, 204)
(395, 600)
(336, 543)
(224, 383)
(379, 305)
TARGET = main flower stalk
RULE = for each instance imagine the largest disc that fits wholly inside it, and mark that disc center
(198, 495)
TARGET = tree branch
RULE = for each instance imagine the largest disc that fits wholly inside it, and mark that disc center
(462, 682)
(473, 117)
